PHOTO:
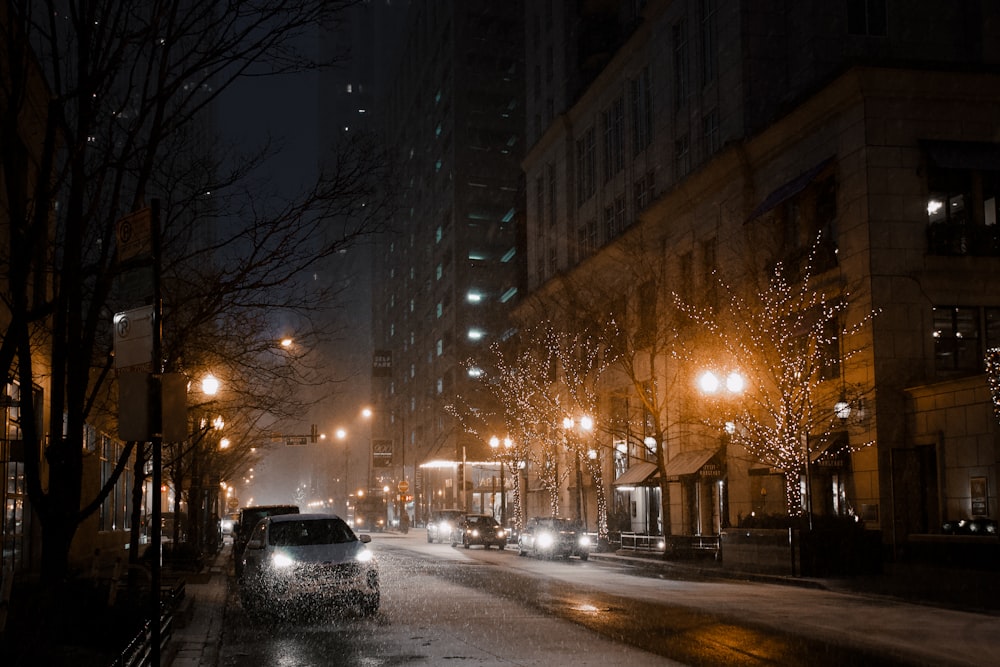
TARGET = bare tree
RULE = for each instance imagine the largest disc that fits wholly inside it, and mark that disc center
(619, 301)
(107, 102)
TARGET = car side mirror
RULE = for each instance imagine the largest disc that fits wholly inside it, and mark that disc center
(365, 537)
(255, 544)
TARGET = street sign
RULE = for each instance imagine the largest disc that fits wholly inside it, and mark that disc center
(297, 440)
(381, 453)
(403, 486)
(134, 233)
(134, 338)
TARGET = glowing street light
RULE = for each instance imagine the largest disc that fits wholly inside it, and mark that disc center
(210, 385)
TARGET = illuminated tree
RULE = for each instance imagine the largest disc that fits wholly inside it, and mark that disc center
(791, 341)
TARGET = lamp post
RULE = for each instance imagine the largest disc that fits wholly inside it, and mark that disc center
(586, 424)
(507, 443)
(734, 385)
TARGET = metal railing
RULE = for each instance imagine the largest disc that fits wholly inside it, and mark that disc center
(139, 651)
(640, 542)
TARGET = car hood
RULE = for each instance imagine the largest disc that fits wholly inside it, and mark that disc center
(323, 553)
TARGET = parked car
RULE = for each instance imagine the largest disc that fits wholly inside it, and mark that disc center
(479, 529)
(243, 527)
(442, 524)
(554, 536)
(308, 558)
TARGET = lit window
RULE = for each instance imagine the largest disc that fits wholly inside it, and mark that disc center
(508, 295)
(476, 334)
(474, 297)
(475, 372)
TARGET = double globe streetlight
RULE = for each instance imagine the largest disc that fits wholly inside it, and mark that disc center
(503, 454)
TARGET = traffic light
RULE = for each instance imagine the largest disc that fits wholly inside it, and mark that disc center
(314, 433)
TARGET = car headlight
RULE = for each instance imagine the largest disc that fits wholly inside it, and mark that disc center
(364, 556)
(584, 541)
(501, 532)
(545, 540)
(280, 560)
(475, 532)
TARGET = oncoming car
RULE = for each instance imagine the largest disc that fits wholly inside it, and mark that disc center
(442, 525)
(479, 529)
(554, 536)
(311, 558)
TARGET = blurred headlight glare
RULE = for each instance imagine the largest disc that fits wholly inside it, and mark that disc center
(545, 540)
(364, 556)
(282, 560)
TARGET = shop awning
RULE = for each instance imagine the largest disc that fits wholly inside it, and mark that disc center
(688, 463)
(636, 474)
(789, 189)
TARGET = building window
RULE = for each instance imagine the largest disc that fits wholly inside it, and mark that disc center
(540, 200)
(614, 138)
(680, 41)
(956, 339)
(645, 191)
(867, 17)
(642, 112)
(586, 165)
(440, 347)
(587, 239)
(709, 49)
(614, 218)
(686, 270)
(647, 313)
(710, 130)
(831, 353)
(962, 211)
(709, 262)
(682, 157)
(550, 169)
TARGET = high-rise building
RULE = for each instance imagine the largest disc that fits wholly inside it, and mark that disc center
(448, 271)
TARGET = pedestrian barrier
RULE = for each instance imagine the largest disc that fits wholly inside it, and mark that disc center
(642, 542)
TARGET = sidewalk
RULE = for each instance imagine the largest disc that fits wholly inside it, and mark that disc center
(198, 642)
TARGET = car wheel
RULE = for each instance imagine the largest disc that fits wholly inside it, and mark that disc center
(584, 556)
(430, 539)
(520, 549)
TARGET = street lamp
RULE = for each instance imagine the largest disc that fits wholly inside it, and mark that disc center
(734, 385)
(586, 424)
(495, 443)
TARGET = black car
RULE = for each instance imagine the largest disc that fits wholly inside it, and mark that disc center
(243, 527)
(554, 536)
(479, 529)
(442, 524)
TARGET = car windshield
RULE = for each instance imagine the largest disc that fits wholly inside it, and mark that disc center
(304, 533)
(481, 520)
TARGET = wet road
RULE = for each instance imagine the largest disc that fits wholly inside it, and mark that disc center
(457, 607)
